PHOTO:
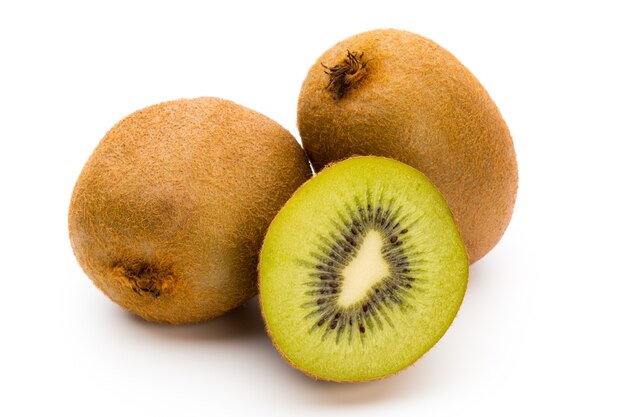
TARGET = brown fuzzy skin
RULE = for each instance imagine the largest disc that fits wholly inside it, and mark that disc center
(168, 215)
(415, 102)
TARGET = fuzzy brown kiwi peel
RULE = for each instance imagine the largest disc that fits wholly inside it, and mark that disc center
(396, 94)
(168, 215)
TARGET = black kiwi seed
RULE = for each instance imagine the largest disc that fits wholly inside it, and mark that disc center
(336, 251)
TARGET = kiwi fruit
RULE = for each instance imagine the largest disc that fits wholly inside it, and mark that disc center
(168, 215)
(396, 94)
(362, 271)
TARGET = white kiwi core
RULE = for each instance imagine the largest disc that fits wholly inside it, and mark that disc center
(364, 271)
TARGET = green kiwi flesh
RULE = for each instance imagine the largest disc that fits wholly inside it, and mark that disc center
(362, 271)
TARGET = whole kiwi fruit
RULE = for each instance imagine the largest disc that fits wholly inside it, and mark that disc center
(397, 94)
(168, 215)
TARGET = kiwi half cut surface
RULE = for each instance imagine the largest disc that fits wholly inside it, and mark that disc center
(362, 271)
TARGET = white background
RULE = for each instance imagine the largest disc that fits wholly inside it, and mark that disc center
(541, 331)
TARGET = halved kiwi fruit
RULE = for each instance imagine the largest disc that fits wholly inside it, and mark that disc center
(169, 213)
(396, 94)
(362, 271)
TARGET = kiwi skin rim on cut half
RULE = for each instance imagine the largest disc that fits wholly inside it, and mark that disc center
(460, 282)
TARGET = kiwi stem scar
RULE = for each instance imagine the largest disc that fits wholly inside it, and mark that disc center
(345, 75)
(145, 278)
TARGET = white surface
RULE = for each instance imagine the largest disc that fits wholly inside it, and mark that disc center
(541, 331)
